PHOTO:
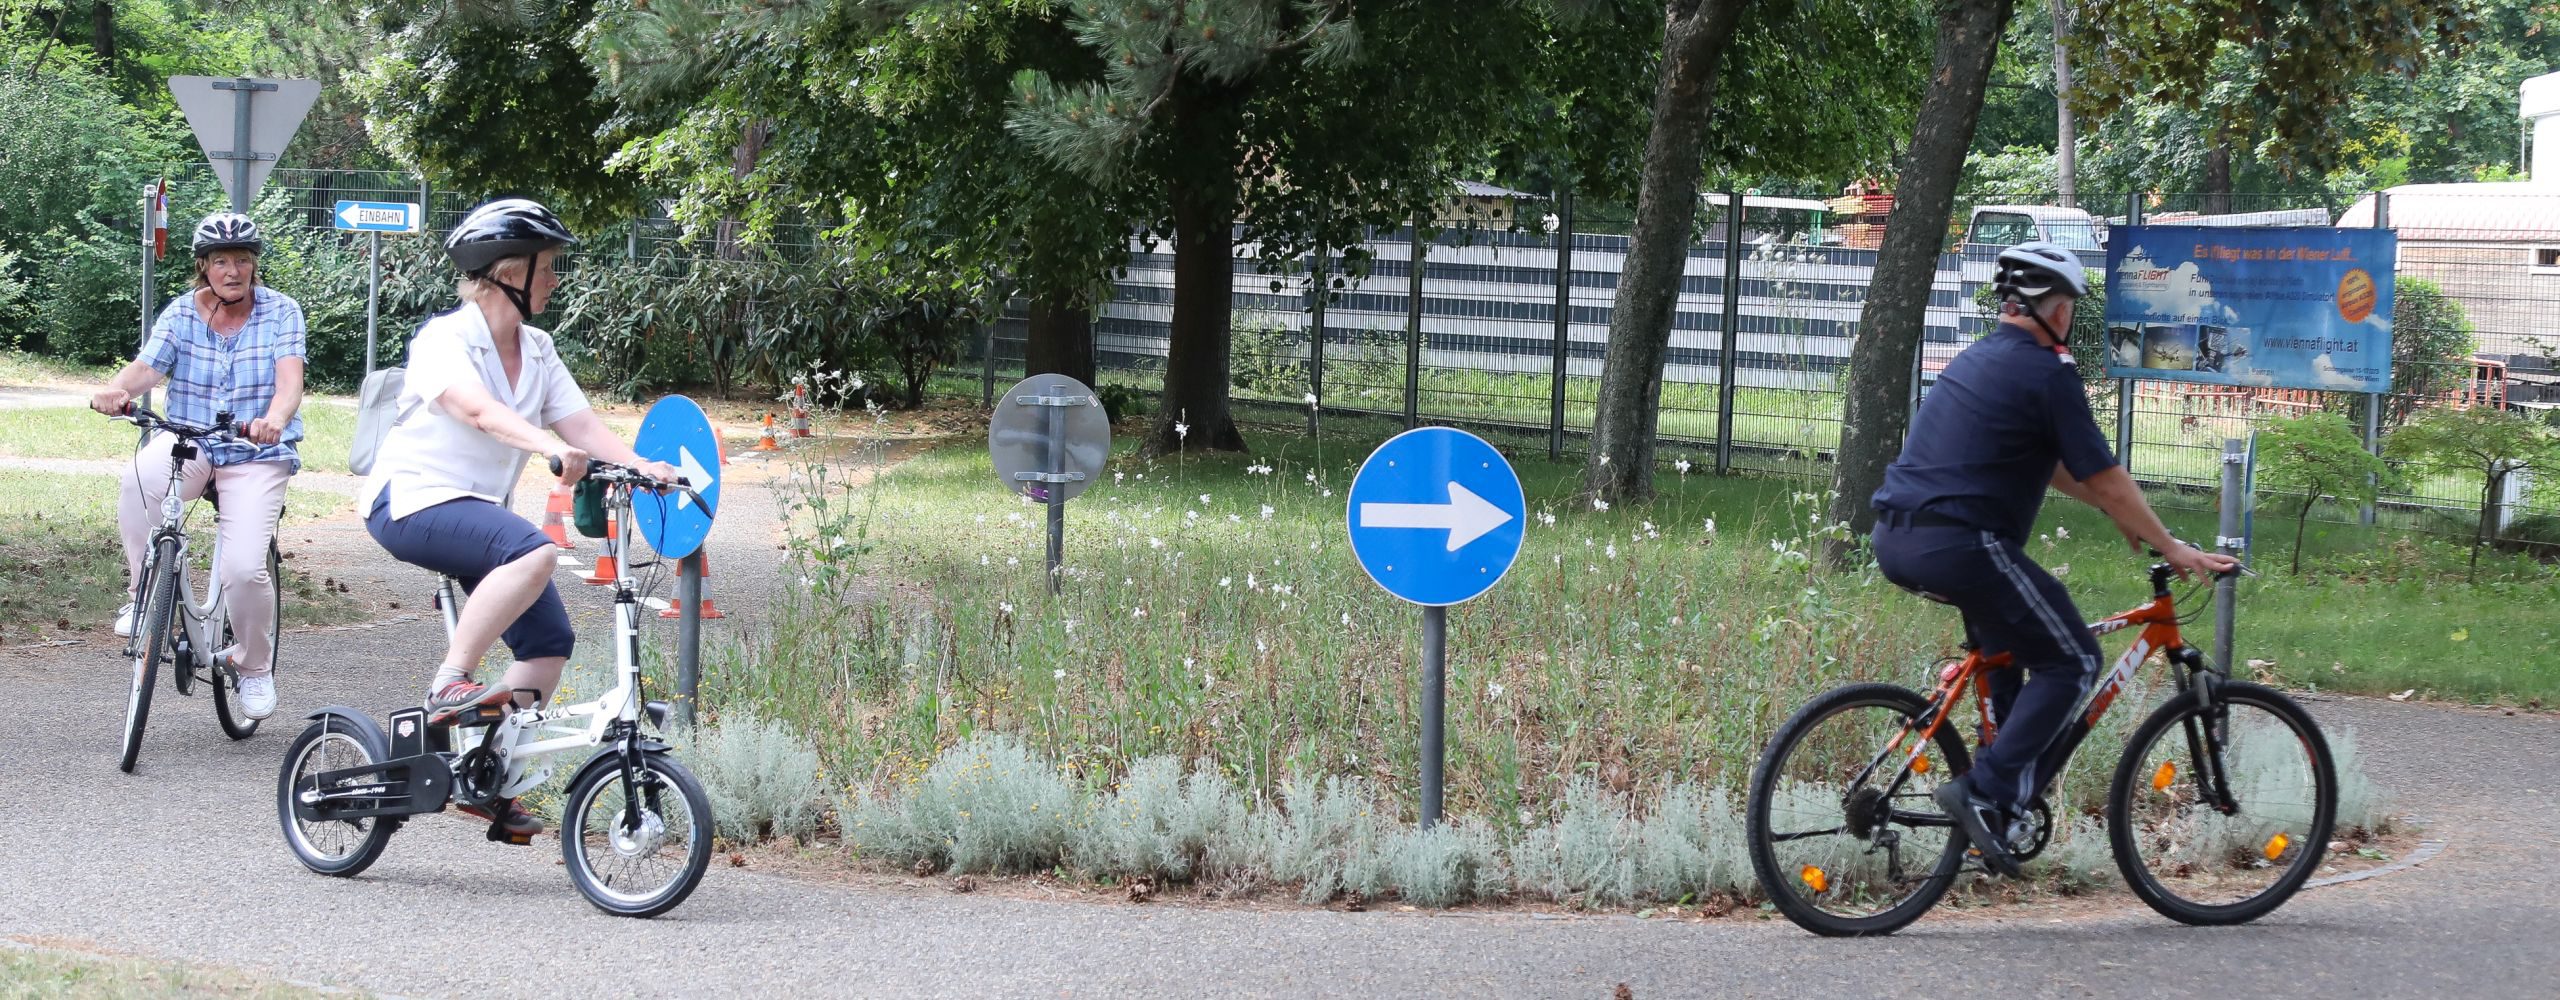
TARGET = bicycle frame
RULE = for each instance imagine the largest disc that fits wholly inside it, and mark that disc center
(530, 734)
(2158, 619)
(199, 622)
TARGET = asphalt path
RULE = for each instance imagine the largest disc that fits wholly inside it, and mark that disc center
(183, 860)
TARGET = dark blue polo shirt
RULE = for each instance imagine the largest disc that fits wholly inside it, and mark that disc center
(1983, 447)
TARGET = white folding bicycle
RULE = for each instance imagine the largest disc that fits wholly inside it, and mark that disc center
(635, 826)
(170, 623)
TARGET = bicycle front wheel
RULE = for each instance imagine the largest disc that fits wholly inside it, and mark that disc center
(2218, 813)
(1843, 834)
(636, 856)
(158, 613)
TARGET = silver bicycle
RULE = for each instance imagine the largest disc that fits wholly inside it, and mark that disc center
(174, 624)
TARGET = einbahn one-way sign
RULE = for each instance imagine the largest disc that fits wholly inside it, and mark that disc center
(377, 216)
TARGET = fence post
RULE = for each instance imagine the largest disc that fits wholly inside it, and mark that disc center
(1560, 368)
(1726, 363)
(2124, 386)
(1321, 284)
(2373, 400)
(987, 367)
(2235, 497)
(1413, 333)
(426, 208)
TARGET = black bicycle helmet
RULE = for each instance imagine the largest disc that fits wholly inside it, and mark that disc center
(228, 231)
(507, 227)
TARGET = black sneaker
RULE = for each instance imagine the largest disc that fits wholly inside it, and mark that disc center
(463, 697)
(508, 822)
(1976, 821)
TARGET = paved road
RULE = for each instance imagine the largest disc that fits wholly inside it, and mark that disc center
(184, 860)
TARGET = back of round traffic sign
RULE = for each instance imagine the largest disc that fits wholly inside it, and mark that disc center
(1018, 436)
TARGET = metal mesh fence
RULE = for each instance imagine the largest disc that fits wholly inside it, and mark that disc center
(1481, 339)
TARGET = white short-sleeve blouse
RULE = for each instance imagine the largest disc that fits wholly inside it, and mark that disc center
(430, 456)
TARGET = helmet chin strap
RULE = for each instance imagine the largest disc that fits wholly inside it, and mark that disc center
(521, 298)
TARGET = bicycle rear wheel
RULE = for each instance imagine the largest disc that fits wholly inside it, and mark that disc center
(2219, 813)
(1843, 834)
(158, 613)
(227, 709)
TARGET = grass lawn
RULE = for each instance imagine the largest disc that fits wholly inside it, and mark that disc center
(74, 432)
(66, 563)
(22, 368)
(1212, 609)
(54, 974)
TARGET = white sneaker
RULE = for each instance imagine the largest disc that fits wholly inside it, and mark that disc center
(124, 620)
(258, 696)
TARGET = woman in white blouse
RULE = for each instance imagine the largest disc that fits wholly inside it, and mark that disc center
(483, 391)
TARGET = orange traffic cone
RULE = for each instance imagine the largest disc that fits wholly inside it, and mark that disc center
(608, 565)
(554, 512)
(708, 612)
(767, 443)
(799, 409)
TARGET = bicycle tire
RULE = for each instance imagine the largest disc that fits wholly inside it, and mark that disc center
(151, 642)
(1780, 884)
(2121, 837)
(226, 682)
(373, 834)
(575, 851)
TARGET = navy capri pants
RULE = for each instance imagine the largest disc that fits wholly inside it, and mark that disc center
(466, 538)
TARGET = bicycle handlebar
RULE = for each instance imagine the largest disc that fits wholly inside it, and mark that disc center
(142, 417)
(623, 475)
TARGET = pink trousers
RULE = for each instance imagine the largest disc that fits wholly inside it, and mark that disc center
(252, 498)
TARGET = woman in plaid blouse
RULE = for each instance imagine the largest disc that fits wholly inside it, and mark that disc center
(231, 346)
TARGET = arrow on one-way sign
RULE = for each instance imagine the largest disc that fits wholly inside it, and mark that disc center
(1466, 516)
(694, 474)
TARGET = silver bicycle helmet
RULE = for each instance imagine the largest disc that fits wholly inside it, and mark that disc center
(2032, 270)
(228, 231)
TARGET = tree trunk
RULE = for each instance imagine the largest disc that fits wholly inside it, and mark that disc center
(1622, 431)
(102, 33)
(742, 162)
(1060, 338)
(1205, 131)
(1892, 321)
(2066, 147)
(2300, 522)
(2217, 174)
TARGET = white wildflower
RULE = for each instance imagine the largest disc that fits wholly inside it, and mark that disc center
(1138, 613)
(1346, 619)
(1004, 607)
(1311, 399)
(1682, 465)
(1181, 431)
(1204, 498)
(1013, 560)
(2061, 532)
(1599, 504)
(1057, 675)
(1154, 543)
(1613, 550)
(1493, 690)
(1711, 526)
(1547, 518)
(1226, 581)
(1267, 512)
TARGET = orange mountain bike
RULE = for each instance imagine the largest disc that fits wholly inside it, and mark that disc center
(2220, 808)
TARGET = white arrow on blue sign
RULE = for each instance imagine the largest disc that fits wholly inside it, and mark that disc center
(677, 432)
(378, 216)
(1437, 516)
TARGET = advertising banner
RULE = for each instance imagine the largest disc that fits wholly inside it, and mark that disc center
(2298, 308)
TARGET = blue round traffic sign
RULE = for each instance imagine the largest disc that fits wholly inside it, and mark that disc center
(1436, 516)
(678, 433)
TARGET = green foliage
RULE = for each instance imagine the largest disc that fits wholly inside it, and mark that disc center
(2432, 339)
(2088, 328)
(2280, 69)
(2491, 444)
(499, 102)
(2316, 456)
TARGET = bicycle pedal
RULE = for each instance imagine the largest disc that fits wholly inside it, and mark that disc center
(485, 715)
(498, 834)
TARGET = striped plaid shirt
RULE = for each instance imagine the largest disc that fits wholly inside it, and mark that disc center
(210, 373)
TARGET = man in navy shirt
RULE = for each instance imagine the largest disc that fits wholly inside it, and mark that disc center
(2006, 419)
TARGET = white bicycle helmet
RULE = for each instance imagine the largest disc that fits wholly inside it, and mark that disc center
(2032, 270)
(228, 231)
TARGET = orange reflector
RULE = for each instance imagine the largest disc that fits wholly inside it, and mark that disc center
(2167, 774)
(1815, 878)
(2276, 846)
(1919, 765)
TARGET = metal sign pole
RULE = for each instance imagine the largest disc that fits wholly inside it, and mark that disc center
(1560, 367)
(987, 368)
(2373, 400)
(1413, 332)
(2124, 386)
(1435, 649)
(2226, 591)
(372, 297)
(1315, 340)
(1726, 374)
(688, 636)
(1054, 420)
(149, 196)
